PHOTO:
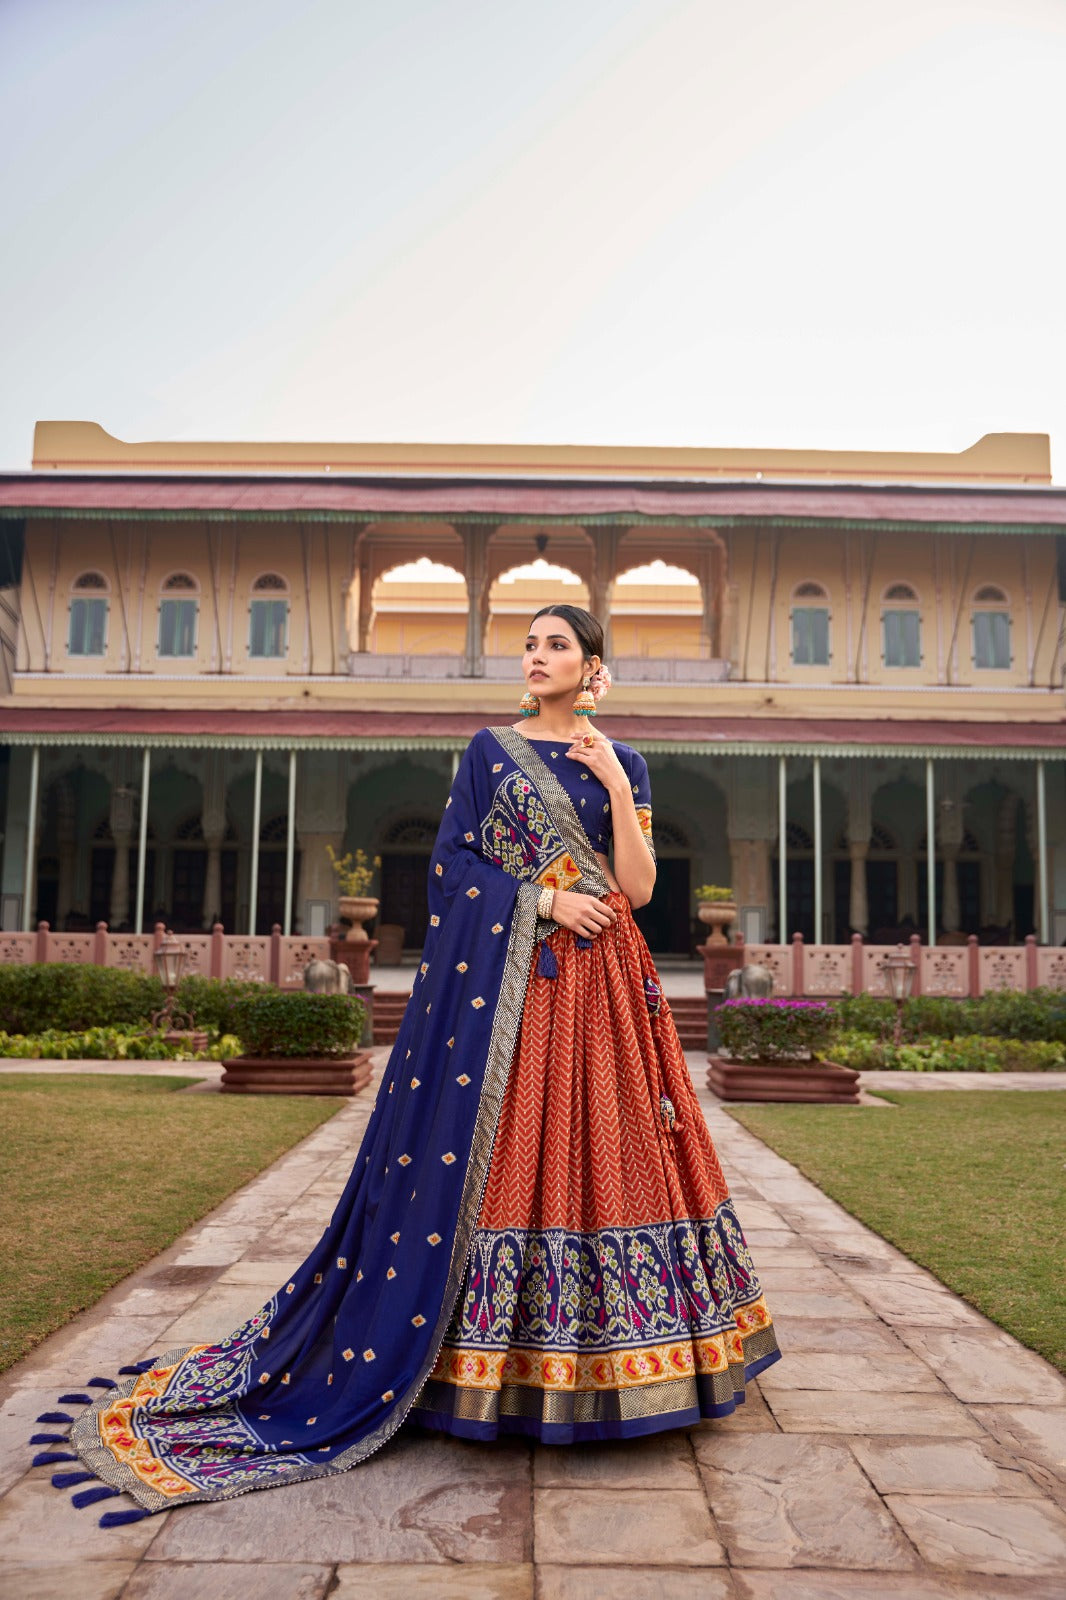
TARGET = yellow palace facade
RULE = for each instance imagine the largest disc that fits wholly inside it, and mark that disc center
(845, 670)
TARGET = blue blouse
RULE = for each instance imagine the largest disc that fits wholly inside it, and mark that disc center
(590, 798)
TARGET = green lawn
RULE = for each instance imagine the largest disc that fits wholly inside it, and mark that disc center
(971, 1186)
(98, 1174)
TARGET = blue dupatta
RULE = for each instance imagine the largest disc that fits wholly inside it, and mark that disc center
(328, 1369)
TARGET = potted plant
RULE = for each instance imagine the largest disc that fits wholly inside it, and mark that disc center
(355, 875)
(716, 907)
(775, 1049)
(295, 1043)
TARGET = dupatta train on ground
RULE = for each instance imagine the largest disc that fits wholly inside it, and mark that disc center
(328, 1369)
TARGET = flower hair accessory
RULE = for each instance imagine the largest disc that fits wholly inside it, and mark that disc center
(600, 681)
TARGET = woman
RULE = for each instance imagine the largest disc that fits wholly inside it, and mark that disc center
(536, 1236)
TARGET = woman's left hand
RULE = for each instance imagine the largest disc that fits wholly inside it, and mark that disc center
(596, 752)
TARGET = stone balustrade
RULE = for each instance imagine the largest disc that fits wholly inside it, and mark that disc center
(270, 958)
(958, 972)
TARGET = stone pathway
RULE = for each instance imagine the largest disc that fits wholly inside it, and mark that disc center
(904, 1446)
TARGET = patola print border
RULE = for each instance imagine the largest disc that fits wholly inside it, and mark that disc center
(559, 804)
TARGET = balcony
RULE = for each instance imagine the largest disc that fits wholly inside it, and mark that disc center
(371, 666)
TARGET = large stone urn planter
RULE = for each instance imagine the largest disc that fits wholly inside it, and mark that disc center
(815, 1082)
(717, 915)
(356, 909)
(338, 1075)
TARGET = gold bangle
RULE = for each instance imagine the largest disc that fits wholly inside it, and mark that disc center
(544, 904)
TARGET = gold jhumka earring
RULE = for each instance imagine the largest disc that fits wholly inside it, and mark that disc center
(529, 705)
(585, 705)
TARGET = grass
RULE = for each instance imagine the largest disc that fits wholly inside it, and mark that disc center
(968, 1185)
(98, 1174)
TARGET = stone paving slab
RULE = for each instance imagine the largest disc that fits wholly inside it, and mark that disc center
(904, 1446)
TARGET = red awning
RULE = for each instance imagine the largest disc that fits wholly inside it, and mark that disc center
(368, 498)
(83, 724)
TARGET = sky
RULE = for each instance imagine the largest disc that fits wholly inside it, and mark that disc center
(829, 224)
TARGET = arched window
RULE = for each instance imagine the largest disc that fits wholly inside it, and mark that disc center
(268, 618)
(88, 615)
(810, 626)
(990, 621)
(179, 610)
(901, 626)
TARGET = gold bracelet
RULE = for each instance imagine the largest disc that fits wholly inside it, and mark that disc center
(544, 904)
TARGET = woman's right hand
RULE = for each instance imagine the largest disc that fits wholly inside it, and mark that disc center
(581, 913)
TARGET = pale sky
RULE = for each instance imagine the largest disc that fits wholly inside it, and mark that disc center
(807, 223)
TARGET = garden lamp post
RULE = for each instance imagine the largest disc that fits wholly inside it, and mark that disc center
(169, 964)
(898, 969)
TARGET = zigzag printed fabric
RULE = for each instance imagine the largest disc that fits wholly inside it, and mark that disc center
(609, 1291)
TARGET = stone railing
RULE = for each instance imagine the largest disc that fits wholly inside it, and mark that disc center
(953, 971)
(271, 958)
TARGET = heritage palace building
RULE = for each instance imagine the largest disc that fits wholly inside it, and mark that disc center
(845, 670)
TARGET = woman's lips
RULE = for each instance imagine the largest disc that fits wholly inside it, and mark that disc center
(533, 675)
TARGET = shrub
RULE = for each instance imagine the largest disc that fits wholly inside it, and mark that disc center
(1002, 1014)
(768, 1029)
(966, 1053)
(36, 998)
(210, 1001)
(274, 1023)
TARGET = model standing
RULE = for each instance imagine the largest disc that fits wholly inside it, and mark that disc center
(536, 1236)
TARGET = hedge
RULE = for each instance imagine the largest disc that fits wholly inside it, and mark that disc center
(72, 997)
(273, 1023)
(755, 1029)
(967, 1053)
(1003, 1014)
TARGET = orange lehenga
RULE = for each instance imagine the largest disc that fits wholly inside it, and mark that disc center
(609, 1290)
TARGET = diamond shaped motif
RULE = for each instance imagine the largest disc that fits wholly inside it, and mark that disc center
(415, 1082)
(318, 1277)
(395, 1237)
(448, 1159)
(359, 1276)
(472, 894)
(349, 1354)
(264, 1377)
(424, 968)
(404, 1160)
(463, 1078)
(342, 1261)
(431, 1238)
(289, 1287)
(434, 921)
(418, 1322)
(439, 870)
(451, 1041)
(460, 966)
(497, 927)
(469, 837)
(310, 1422)
(265, 1333)
(368, 1355)
(478, 1003)
(264, 1416)
(388, 1395)
(498, 767)
(391, 1273)
(285, 1377)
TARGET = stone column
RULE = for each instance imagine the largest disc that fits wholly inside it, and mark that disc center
(122, 820)
(213, 827)
(752, 828)
(605, 542)
(1006, 843)
(860, 825)
(66, 830)
(365, 616)
(321, 820)
(475, 537)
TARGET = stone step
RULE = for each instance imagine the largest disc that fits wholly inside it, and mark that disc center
(690, 1017)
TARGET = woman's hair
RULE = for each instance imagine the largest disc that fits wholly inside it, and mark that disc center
(589, 631)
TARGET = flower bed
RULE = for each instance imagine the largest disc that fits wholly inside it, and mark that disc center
(775, 1030)
(967, 1053)
(127, 1042)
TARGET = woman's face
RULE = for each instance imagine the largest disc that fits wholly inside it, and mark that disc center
(553, 661)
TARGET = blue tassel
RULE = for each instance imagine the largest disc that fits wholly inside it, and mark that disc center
(52, 1458)
(137, 1368)
(547, 965)
(118, 1519)
(583, 943)
(70, 1480)
(101, 1383)
(49, 1438)
(89, 1497)
(75, 1399)
(54, 1416)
